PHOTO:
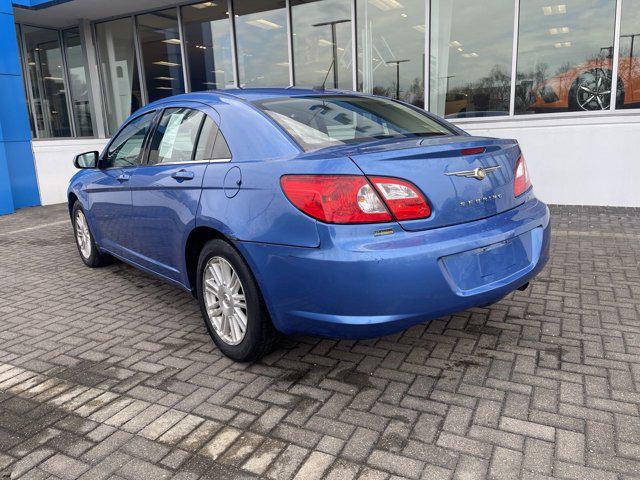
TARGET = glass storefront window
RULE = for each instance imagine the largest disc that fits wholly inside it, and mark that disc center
(322, 40)
(261, 38)
(391, 48)
(471, 55)
(208, 43)
(77, 82)
(46, 76)
(119, 71)
(565, 55)
(24, 81)
(159, 39)
(629, 61)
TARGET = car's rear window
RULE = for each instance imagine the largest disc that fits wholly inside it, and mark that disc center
(319, 121)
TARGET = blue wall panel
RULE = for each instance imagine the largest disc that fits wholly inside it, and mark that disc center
(6, 195)
(9, 58)
(22, 174)
(18, 182)
(14, 120)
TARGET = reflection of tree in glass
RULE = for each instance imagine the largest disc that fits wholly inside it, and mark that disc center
(414, 94)
(487, 94)
(573, 85)
(564, 68)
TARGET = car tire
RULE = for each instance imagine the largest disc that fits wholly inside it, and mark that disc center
(87, 248)
(586, 78)
(220, 293)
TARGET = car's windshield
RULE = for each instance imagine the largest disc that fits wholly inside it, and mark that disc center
(326, 120)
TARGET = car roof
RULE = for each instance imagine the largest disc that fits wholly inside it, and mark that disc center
(250, 94)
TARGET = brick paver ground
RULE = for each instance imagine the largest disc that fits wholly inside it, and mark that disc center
(109, 374)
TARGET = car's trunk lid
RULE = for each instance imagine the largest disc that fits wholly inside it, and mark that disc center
(441, 168)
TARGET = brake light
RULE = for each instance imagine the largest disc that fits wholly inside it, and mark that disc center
(473, 151)
(354, 198)
(521, 180)
(403, 198)
(335, 198)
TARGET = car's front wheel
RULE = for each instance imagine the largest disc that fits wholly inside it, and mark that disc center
(231, 304)
(85, 242)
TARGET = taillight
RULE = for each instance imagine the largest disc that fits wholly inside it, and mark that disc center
(335, 198)
(473, 151)
(403, 198)
(352, 199)
(521, 180)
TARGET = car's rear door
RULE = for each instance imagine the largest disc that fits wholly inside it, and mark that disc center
(166, 189)
(109, 194)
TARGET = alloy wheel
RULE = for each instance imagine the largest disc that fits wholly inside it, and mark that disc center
(593, 91)
(225, 301)
(83, 237)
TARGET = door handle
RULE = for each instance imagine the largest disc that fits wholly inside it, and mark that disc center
(183, 175)
(123, 177)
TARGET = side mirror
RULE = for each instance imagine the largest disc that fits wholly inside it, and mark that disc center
(86, 160)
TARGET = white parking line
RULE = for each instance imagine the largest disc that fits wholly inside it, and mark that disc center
(28, 229)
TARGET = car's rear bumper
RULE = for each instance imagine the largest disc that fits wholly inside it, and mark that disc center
(357, 285)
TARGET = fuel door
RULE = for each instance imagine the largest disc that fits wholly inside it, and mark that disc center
(232, 182)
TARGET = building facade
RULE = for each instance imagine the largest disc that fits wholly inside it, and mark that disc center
(561, 76)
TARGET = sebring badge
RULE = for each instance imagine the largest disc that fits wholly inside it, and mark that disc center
(481, 200)
(479, 173)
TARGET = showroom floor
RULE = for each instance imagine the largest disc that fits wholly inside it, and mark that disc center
(109, 374)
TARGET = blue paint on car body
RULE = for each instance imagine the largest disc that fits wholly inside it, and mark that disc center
(480, 242)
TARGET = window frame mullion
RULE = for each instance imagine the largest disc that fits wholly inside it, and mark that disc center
(139, 60)
(427, 54)
(514, 58)
(292, 75)
(27, 78)
(616, 57)
(67, 85)
(183, 52)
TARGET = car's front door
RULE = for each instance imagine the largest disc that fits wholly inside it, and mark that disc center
(109, 193)
(166, 189)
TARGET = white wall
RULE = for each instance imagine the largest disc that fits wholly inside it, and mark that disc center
(588, 160)
(54, 165)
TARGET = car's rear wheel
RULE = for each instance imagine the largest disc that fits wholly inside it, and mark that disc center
(89, 253)
(231, 304)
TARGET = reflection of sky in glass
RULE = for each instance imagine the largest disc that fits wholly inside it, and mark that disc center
(77, 82)
(391, 31)
(261, 38)
(471, 50)
(574, 34)
(312, 45)
(559, 47)
(119, 70)
(629, 65)
(629, 24)
(208, 43)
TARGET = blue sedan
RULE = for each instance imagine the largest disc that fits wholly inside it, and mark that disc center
(302, 211)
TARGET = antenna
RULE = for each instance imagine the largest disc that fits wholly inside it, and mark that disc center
(334, 47)
(333, 63)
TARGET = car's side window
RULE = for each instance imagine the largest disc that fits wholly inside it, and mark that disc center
(126, 149)
(175, 137)
(211, 144)
(221, 148)
(207, 140)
